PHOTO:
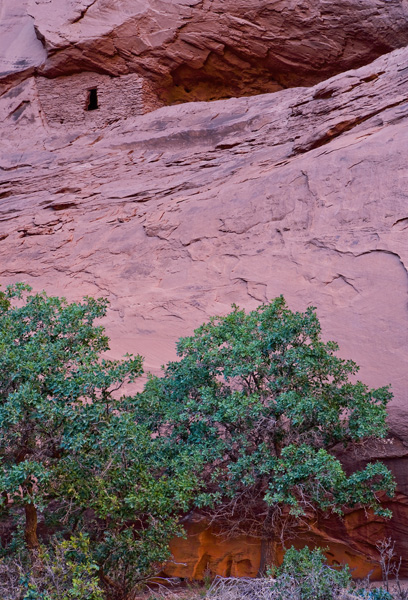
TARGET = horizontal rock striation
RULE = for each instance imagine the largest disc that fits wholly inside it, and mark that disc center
(175, 214)
(201, 49)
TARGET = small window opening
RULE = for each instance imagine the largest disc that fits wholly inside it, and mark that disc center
(92, 99)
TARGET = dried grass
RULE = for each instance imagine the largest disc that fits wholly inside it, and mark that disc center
(231, 588)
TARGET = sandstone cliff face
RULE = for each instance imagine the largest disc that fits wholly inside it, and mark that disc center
(201, 49)
(175, 214)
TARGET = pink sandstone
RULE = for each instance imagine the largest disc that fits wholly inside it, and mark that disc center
(200, 49)
(175, 214)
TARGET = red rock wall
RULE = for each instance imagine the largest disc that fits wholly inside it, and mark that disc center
(200, 49)
(176, 214)
(206, 553)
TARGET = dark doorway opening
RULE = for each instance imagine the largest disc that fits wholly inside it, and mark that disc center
(92, 99)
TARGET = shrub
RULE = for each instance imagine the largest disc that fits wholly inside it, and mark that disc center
(72, 452)
(262, 402)
(374, 594)
(308, 572)
(67, 572)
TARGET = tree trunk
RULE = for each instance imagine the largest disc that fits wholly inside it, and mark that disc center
(113, 589)
(264, 558)
(268, 554)
(268, 543)
(6, 499)
(31, 527)
(31, 538)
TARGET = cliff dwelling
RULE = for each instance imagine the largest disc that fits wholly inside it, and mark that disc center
(93, 100)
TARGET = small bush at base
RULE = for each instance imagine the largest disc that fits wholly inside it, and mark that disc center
(308, 572)
(304, 575)
(374, 594)
(63, 571)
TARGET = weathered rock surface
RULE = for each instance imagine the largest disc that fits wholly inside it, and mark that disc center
(20, 49)
(202, 49)
(176, 214)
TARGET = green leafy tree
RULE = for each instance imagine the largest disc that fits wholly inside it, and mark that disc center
(129, 490)
(262, 403)
(52, 381)
(71, 449)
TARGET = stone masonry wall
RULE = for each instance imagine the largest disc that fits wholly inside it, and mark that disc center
(65, 100)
